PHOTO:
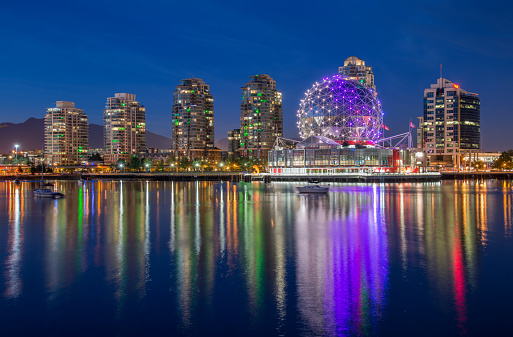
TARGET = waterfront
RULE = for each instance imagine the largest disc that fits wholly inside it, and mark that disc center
(207, 258)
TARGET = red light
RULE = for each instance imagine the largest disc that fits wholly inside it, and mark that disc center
(455, 86)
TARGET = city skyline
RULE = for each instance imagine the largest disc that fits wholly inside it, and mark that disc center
(84, 63)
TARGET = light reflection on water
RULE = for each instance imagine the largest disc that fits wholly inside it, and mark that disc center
(229, 257)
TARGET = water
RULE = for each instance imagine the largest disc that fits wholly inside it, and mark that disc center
(205, 258)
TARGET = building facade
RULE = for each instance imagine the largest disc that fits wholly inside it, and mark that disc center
(261, 116)
(450, 124)
(355, 69)
(233, 142)
(66, 135)
(124, 128)
(193, 121)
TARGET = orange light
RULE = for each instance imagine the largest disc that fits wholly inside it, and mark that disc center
(456, 86)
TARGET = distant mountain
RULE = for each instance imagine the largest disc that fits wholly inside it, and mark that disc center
(30, 136)
(222, 144)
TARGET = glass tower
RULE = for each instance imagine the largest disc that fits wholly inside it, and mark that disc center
(450, 124)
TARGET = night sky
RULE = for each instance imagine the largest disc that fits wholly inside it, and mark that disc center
(85, 51)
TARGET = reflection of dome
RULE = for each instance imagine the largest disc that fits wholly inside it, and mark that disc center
(340, 109)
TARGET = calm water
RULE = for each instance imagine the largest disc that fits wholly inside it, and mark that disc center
(204, 258)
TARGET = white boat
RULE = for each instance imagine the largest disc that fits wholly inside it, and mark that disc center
(44, 192)
(47, 193)
(313, 189)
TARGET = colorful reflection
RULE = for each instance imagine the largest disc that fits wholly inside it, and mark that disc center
(252, 255)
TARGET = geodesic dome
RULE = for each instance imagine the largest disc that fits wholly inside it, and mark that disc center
(340, 109)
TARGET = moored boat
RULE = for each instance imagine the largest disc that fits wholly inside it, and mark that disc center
(47, 193)
(313, 189)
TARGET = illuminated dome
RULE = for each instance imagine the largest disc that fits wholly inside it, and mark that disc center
(340, 109)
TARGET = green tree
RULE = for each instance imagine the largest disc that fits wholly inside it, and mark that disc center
(135, 163)
(505, 161)
(147, 164)
(95, 157)
(120, 165)
(184, 164)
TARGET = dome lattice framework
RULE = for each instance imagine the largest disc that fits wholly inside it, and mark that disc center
(340, 109)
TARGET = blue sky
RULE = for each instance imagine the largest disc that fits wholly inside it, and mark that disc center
(85, 51)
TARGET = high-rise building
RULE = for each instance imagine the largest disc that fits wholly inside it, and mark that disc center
(355, 69)
(233, 142)
(261, 116)
(66, 134)
(451, 123)
(124, 128)
(193, 121)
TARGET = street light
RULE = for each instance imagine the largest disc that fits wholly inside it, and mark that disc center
(147, 165)
(16, 146)
(121, 166)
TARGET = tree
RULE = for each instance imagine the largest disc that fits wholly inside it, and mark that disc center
(147, 164)
(95, 157)
(135, 163)
(184, 164)
(120, 164)
(505, 161)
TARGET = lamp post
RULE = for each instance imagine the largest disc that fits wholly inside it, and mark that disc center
(197, 166)
(16, 146)
(121, 167)
(147, 166)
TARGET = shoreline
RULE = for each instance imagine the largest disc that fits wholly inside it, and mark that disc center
(238, 176)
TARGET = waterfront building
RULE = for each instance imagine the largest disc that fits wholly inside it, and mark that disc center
(193, 121)
(233, 142)
(66, 135)
(451, 124)
(354, 68)
(340, 121)
(124, 121)
(261, 116)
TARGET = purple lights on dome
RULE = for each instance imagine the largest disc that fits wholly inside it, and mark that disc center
(327, 110)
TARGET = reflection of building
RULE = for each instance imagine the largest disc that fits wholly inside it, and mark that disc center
(66, 134)
(261, 116)
(233, 141)
(124, 121)
(193, 120)
(451, 123)
(355, 68)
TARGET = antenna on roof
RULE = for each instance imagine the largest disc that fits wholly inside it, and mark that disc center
(441, 81)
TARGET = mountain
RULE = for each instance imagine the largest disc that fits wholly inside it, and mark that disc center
(222, 144)
(30, 135)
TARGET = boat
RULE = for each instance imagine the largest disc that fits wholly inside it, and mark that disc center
(47, 193)
(313, 189)
(43, 191)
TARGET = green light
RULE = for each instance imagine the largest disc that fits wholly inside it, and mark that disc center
(245, 134)
(192, 91)
(115, 141)
(259, 94)
(176, 123)
(257, 111)
(188, 110)
(122, 104)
